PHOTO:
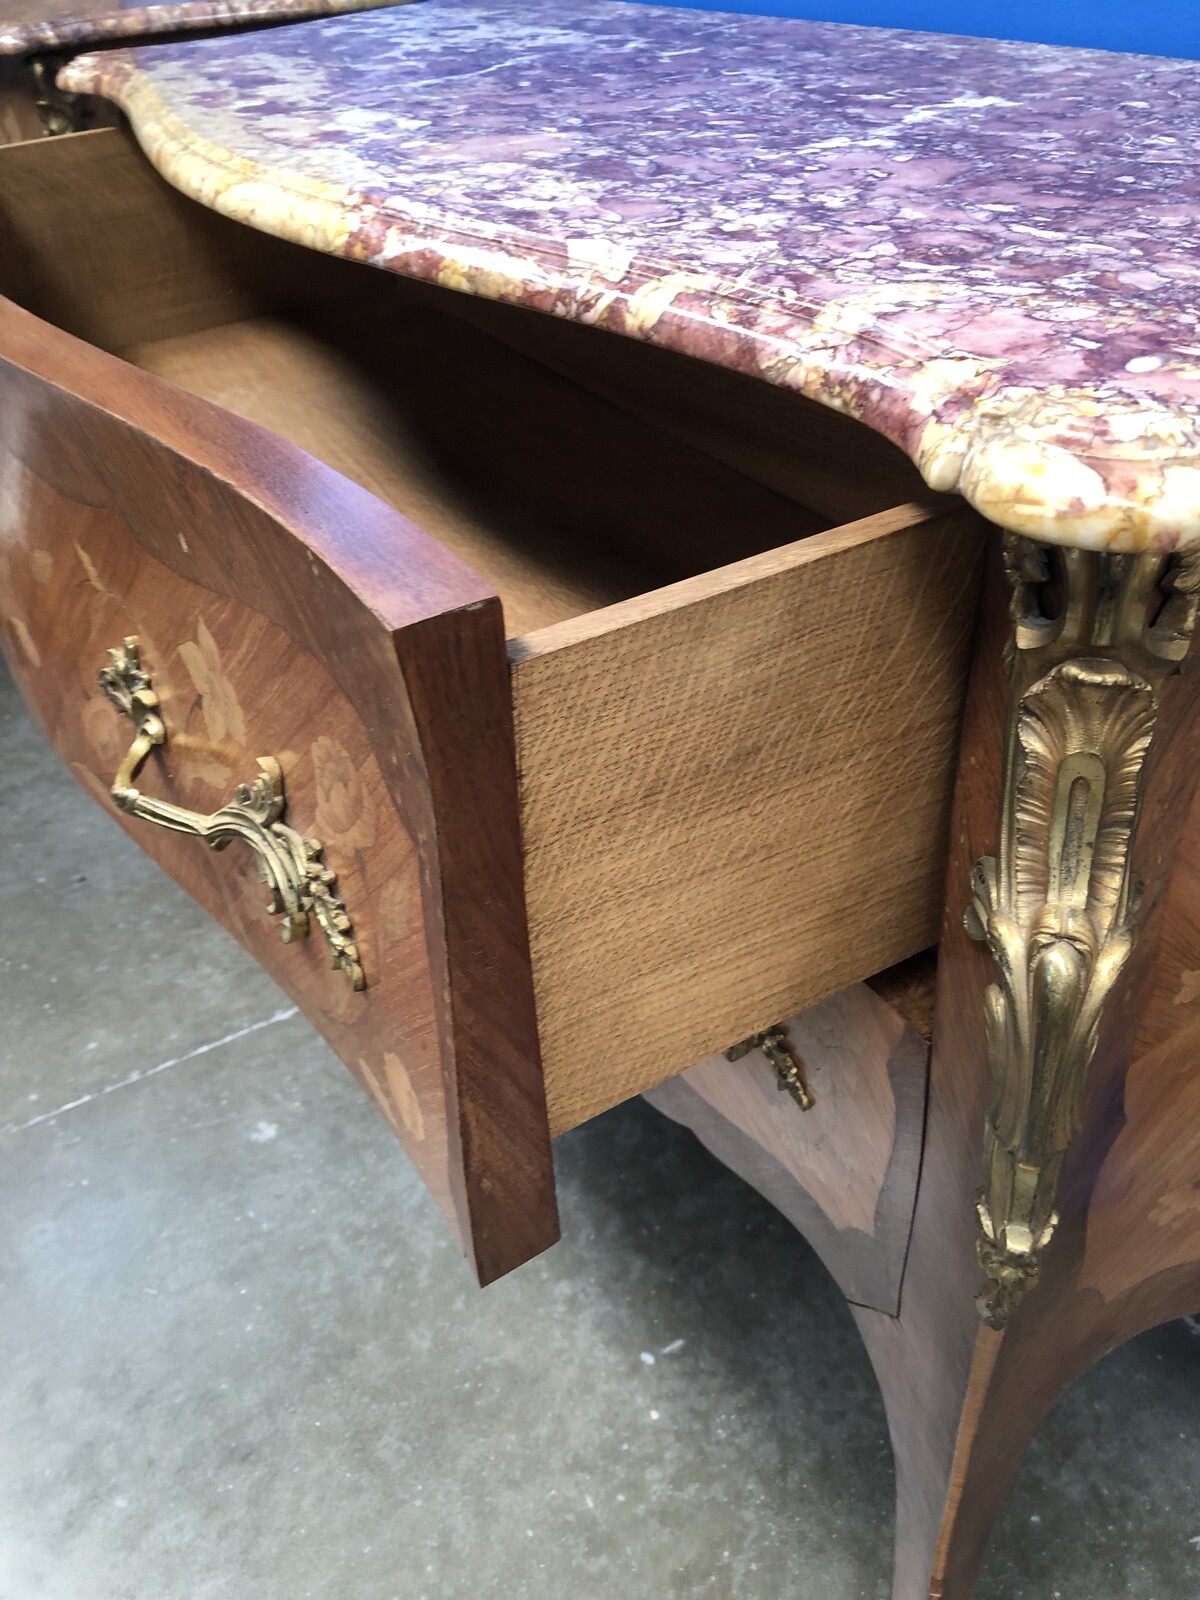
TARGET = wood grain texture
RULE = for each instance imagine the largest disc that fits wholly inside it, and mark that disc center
(505, 463)
(911, 988)
(156, 263)
(18, 115)
(962, 1401)
(677, 714)
(1144, 1215)
(734, 795)
(286, 611)
(844, 1173)
(560, 498)
(282, 373)
(1174, 1004)
(924, 1359)
(185, 268)
(1126, 1254)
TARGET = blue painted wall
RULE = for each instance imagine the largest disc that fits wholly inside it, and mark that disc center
(1152, 27)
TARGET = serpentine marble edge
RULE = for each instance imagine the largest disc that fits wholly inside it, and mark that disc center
(31, 34)
(987, 251)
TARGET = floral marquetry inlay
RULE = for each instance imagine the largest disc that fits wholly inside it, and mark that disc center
(344, 809)
(224, 719)
(393, 1092)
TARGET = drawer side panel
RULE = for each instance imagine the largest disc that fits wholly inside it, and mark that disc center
(735, 795)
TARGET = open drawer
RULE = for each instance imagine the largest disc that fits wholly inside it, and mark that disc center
(620, 692)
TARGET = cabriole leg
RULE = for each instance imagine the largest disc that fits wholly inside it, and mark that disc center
(1081, 1225)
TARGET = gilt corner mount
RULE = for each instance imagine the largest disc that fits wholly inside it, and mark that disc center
(1094, 636)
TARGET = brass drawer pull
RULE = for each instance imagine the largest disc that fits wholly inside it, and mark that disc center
(790, 1072)
(290, 864)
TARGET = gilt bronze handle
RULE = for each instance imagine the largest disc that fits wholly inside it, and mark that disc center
(301, 885)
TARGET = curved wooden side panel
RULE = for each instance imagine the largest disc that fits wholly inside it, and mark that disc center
(963, 1399)
(284, 611)
(845, 1172)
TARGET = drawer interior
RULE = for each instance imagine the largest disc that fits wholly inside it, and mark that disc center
(570, 468)
(563, 502)
(738, 622)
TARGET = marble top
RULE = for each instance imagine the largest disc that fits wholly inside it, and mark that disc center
(29, 27)
(987, 251)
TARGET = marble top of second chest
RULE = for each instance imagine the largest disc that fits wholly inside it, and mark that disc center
(34, 27)
(985, 250)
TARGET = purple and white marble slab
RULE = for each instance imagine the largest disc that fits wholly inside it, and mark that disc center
(38, 26)
(985, 250)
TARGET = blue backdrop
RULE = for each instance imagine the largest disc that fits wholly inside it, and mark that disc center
(1153, 27)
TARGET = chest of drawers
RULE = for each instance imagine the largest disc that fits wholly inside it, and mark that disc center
(661, 666)
(559, 624)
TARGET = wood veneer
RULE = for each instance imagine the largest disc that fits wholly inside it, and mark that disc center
(506, 463)
(962, 1400)
(364, 656)
(731, 787)
(735, 727)
(845, 1172)
(637, 896)
(734, 793)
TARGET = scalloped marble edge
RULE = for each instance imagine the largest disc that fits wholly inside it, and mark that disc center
(1000, 451)
(167, 16)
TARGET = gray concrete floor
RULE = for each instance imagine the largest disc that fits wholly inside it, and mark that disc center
(241, 1357)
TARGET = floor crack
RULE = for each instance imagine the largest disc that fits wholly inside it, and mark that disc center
(282, 1015)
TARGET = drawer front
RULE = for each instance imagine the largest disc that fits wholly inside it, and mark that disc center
(282, 612)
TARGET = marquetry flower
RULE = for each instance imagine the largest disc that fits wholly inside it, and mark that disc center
(222, 713)
(104, 731)
(393, 1092)
(400, 905)
(345, 816)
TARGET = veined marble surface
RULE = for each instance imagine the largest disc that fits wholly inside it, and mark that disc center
(30, 26)
(987, 251)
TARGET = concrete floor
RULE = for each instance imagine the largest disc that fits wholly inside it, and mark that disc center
(242, 1358)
